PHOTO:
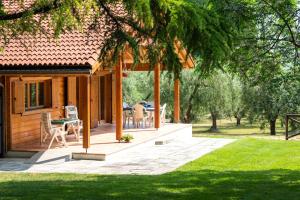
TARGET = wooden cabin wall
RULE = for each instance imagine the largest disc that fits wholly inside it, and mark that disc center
(25, 127)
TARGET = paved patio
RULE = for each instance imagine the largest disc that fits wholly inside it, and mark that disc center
(146, 158)
(103, 139)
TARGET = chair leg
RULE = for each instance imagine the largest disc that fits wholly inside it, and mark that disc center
(54, 136)
(75, 131)
(63, 138)
(78, 133)
(45, 138)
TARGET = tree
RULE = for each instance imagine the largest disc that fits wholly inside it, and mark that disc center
(206, 28)
(215, 96)
(273, 98)
(137, 86)
(237, 107)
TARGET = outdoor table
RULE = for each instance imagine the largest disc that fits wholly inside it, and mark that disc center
(150, 109)
(127, 108)
(64, 122)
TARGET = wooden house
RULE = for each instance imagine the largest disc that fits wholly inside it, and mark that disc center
(38, 74)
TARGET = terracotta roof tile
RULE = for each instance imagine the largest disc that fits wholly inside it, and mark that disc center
(71, 48)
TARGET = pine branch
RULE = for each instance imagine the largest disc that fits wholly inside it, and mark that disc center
(32, 10)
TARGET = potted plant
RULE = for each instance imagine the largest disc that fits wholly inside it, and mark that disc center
(126, 138)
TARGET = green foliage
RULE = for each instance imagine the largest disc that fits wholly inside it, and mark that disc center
(205, 28)
(273, 98)
(138, 86)
(126, 138)
(237, 108)
(215, 94)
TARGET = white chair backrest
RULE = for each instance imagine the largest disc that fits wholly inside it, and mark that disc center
(46, 122)
(163, 112)
(71, 112)
(125, 105)
(138, 111)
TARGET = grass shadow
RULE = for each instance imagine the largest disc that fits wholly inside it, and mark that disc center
(194, 184)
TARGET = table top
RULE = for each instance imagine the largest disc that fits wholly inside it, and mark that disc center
(146, 108)
(63, 121)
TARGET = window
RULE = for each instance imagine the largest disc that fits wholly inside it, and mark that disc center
(35, 95)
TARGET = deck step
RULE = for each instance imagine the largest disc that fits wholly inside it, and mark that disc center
(50, 156)
(163, 142)
(20, 154)
(88, 156)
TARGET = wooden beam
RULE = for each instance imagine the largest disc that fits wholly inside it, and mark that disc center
(119, 102)
(176, 101)
(157, 96)
(84, 93)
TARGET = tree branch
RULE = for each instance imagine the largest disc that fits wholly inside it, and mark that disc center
(33, 10)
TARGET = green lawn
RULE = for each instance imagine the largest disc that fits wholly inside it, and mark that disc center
(228, 128)
(247, 169)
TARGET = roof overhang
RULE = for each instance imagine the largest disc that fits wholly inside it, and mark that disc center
(46, 70)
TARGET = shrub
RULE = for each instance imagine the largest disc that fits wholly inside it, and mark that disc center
(126, 138)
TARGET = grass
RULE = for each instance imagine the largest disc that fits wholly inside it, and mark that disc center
(228, 128)
(246, 169)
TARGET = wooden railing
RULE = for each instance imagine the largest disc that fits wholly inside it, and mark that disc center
(292, 118)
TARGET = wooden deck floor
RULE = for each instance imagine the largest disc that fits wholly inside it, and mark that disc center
(103, 139)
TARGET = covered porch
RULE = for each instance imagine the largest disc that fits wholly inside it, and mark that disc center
(87, 104)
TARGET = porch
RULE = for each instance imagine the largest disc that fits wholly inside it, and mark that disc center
(104, 143)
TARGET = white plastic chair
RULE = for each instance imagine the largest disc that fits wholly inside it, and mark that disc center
(71, 112)
(53, 132)
(163, 114)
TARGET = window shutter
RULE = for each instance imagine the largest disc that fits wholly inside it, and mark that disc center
(55, 93)
(72, 91)
(18, 97)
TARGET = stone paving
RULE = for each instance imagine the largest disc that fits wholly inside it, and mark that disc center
(143, 159)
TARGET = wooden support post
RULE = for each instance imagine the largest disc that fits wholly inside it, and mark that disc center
(119, 100)
(108, 98)
(176, 101)
(157, 96)
(84, 93)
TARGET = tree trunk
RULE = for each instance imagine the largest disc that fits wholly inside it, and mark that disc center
(238, 121)
(273, 127)
(188, 113)
(214, 126)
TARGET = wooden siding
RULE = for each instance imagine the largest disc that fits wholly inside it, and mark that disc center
(25, 128)
(72, 95)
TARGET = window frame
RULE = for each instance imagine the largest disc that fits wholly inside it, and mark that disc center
(27, 96)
